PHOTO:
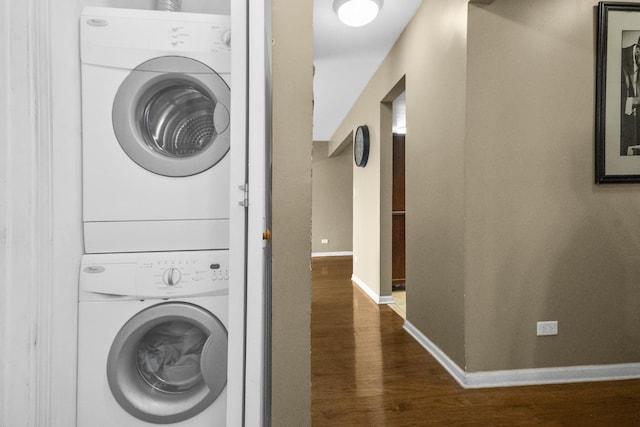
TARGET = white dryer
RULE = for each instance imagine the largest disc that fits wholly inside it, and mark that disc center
(152, 342)
(155, 130)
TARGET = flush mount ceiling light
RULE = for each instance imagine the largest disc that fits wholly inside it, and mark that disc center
(356, 13)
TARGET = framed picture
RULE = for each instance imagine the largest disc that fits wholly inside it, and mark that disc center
(618, 93)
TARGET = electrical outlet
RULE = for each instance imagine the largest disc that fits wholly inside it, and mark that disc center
(547, 328)
(324, 241)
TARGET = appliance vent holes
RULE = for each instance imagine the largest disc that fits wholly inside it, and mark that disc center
(170, 5)
(195, 133)
(178, 121)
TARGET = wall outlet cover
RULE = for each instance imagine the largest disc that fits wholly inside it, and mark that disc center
(547, 328)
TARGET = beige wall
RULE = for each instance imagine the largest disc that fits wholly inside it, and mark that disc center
(291, 301)
(504, 224)
(332, 204)
(543, 242)
(431, 53)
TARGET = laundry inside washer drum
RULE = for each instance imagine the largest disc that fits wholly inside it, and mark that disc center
(180, 121)
(168, 356)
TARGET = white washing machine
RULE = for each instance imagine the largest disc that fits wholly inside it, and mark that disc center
(155, 130)
(152, 341)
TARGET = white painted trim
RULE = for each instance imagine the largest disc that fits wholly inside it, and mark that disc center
(559, 375)
(522, 377)
(27, 194)
(386, 300)
(374, 296)
(237, 222)
(442, 358)
(329, 254)
(258, 296)
(40, 40)
(5, 208)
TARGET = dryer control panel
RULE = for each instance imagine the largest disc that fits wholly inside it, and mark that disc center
(215, 37)
(125, 38)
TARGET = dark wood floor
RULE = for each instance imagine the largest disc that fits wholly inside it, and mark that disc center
(367, 371)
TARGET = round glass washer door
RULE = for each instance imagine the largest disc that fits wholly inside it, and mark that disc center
(168, 363)
(171, 116)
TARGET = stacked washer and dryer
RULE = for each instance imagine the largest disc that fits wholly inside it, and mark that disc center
(153, 294)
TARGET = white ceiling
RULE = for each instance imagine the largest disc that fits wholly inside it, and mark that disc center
(346, 58)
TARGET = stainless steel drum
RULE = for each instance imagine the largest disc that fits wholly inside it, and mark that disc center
(171, 116)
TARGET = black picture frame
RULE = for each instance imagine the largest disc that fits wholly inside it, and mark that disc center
(617, 144)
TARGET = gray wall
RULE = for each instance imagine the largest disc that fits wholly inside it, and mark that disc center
(332, 206)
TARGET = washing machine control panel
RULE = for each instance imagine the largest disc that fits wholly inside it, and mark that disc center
(181, 274)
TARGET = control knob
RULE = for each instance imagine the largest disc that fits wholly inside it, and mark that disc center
(171, 276)
(226, 38)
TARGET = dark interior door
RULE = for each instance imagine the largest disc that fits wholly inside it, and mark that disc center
(398, 212)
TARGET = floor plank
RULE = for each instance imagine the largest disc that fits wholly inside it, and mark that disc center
(368, 371)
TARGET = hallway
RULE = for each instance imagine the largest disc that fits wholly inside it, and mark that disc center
(367, 371)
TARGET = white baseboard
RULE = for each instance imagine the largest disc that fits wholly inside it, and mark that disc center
(522, 377)
(442, 358)
(326, 254)
(374, 296)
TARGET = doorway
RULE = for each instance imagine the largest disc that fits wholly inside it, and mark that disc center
(398, 251)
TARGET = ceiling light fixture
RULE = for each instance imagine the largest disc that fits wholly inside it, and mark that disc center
(356, 13)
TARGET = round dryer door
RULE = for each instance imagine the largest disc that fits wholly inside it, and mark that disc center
(171, 116)
(168, 363)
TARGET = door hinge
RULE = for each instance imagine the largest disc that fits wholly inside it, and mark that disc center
(245, 190)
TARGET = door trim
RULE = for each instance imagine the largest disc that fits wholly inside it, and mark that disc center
(26, 388)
